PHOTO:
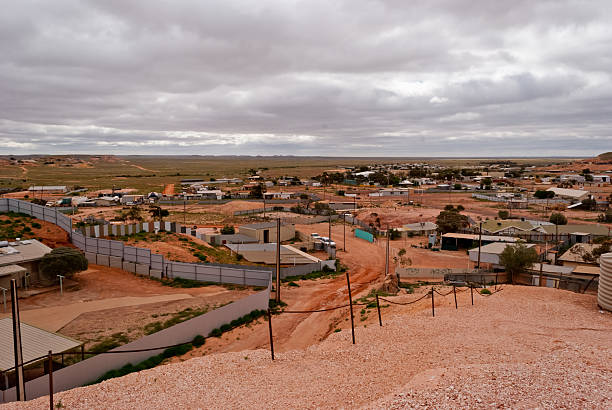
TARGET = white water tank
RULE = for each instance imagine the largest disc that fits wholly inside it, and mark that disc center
(604, 292)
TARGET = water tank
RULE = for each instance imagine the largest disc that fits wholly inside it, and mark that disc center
(604, 292)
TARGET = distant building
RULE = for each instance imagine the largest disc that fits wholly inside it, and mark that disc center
(574, 256)
(265, 232)
(49, 189)
(571, 194)
(455, 241)
(490, 253)
(210, 194)
(279, 195)
(419, 228)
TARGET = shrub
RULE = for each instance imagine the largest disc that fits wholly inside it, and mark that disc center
(558, 218)
(228, 230)
(485, 291)
(36, 225)
(198, 341)
(62, 261)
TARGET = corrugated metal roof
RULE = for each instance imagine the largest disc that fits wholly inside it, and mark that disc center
(35, 343)
(11, 270)
(496, 248)
(486, 238)
(29, 250)
(261, 225)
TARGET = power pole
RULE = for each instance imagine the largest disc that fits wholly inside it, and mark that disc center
(278, 282)
(330, 236)
(479, 243)
(18, 352)
(387, 252)
(184, 212)
(344, 231)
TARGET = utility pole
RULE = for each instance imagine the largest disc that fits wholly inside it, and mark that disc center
(344, 230)
(278, 282)
(479, 243)
(184, 212)
(330, 236)
(387, 252)
(17, 350)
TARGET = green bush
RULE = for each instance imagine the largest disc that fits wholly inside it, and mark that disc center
(62, 261)
(198, 341)
(146, 364)
(248, 318)
(485, 291)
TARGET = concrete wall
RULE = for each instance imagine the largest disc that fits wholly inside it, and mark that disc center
(287, 233)
(88, 370)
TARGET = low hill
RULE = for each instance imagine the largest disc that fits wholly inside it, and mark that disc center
(523, 347)
(606, 156)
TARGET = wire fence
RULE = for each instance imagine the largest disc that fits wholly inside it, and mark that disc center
(428, 294)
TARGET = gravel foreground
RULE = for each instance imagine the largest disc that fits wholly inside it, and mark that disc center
(524, 347)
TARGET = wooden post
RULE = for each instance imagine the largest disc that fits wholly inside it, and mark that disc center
(50, 358)
(455, 294)
(270, 330)
(348, 282)
(17, 349)
(472, 293)
(479, 243)
(378, 308)
(433, 310)
(278, 281)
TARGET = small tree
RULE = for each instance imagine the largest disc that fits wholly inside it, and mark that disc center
(543, 194)
(134, 214)
(257, 191)
(503, 214)
(62, 261)
(228, 230)
(450, 220)
(558, 218)
(517, 258)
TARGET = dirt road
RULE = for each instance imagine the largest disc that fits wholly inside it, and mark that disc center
(365, 262)
(169, 190)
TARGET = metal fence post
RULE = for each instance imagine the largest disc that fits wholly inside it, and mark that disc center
(472, 293)
(17, 349)
(270, 331)
(348, 282)
(433, 311)
(50, 358)
(455, 294)
(378, 308)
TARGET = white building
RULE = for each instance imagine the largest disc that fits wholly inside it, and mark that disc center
(490, 253)
(572, 194)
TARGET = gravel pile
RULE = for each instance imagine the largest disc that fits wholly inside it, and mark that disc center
(521, 348)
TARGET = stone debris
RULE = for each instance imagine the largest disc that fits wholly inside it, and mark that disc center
(525, 347)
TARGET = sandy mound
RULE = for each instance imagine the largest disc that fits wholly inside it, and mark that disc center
(523, 348)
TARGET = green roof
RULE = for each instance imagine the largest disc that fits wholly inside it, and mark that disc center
(593, 229)
(498, 225)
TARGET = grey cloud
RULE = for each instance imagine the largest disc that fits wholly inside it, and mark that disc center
(349, 77)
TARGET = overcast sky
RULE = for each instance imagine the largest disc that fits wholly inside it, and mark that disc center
(358, 78)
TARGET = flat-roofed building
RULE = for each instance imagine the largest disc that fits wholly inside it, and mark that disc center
(265, 232)
(25, 254)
